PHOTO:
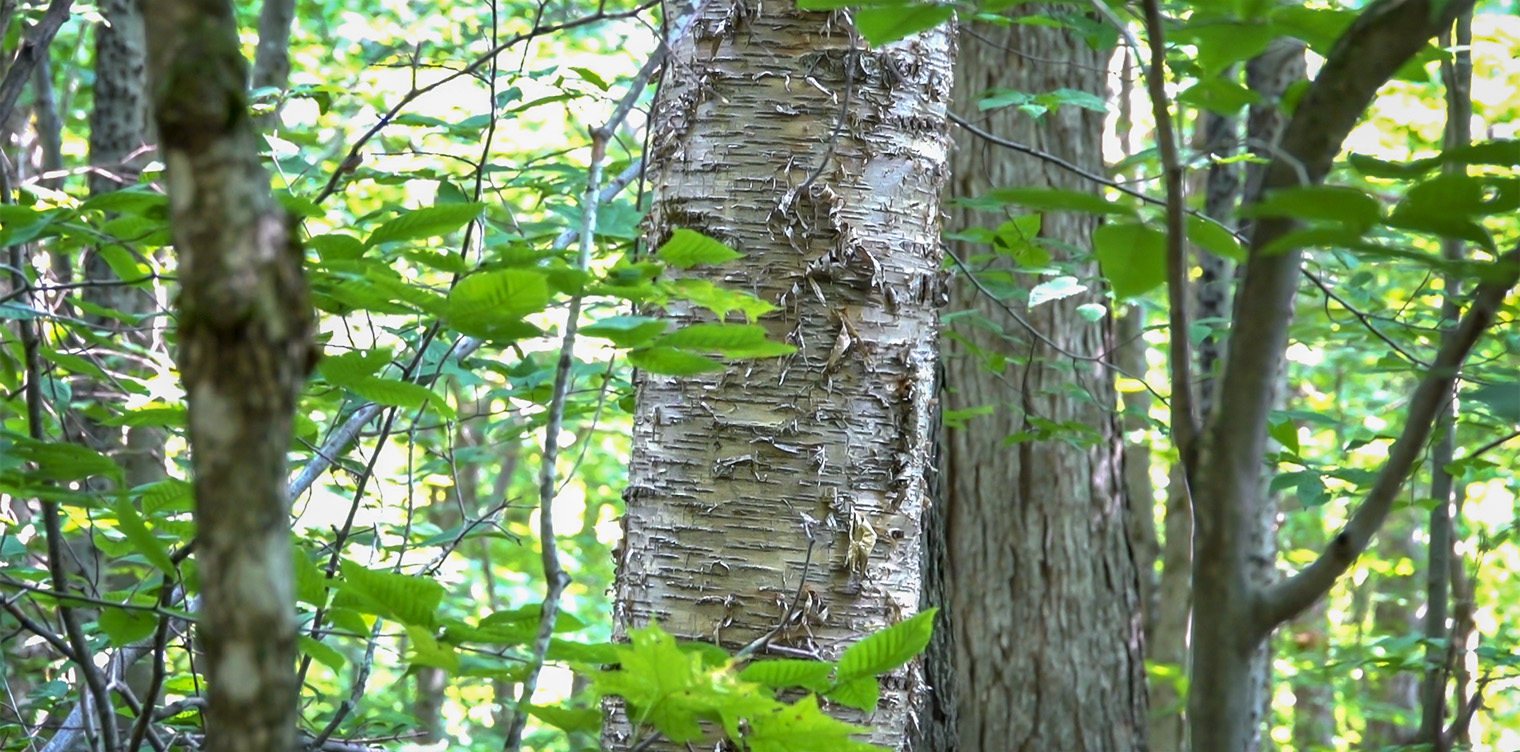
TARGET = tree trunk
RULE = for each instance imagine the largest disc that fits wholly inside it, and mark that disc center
(1044, 585)
(783, 135)
(245, 347)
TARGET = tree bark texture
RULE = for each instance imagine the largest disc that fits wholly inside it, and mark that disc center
(1233, 615)
(784, 135)
(245, 347)
(1044, 585)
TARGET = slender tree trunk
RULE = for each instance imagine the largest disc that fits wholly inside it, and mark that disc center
(782, 134)
(1044, 583)
(1232, 615)
(245, 339)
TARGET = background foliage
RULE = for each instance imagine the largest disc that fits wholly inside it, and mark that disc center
(437, 156)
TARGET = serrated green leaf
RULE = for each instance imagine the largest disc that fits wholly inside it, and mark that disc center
(803, 726)
(886, 650)
(719, 338)
(1055, 289)
(354, 366)
(1132, 256)
(498, 295)
(672, 362)
(1217, 95)
(400, 394)
(412, 601)
(1502, 399)
(124, 626)
(1324, 203)
(311, 583)
(1056, 199)
(168, 496)
(1285, 432)
(789, 672)
(720, 300)
(64, 461)
(882, 25)
(156, 415)
(143, 541)
(323, 654)
(861, 693)
(429, 222)
(426, 650)
(689, 248)
(564, 621)
(1214, 238)
(627, 331)
(584, 720)
(336, 247)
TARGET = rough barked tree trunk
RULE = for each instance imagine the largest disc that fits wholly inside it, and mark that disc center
(821, 159)
(1044, 586)
(245, 347)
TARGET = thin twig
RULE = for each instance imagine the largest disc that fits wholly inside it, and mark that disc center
(556, 579)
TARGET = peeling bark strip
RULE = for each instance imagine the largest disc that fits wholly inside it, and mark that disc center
(784, 135)
(245, 328)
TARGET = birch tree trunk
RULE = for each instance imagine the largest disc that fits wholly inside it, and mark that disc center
(245, 348)
(1046, 595)
(786, 136)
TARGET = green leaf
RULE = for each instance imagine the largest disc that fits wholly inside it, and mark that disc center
(1086, 100)
(861, 693)
(501, 294)
(1222, 44)
(789, 672)
(627, 331)
(1502, 399)
(399, 393)
(672, 362)
(1373, 167)
(64, 461)
(1056, 199)
(323, 654)
(429, 222)
(1132, 256)
(170, 496)
(413, 601)
(584, 720)
(143, 541)
(1325, 203)
(1501, 153)
(311, 583)
(720, 300)
(802, 726)
(666, 687)
(1285, 432)
(1092, 311)
(689, 248)
(354, 366)
(564, 621)
(124, 626)
(882, 25)
(886, 650)
(718, 338)
(1214, 238)
(336, 247)
(1055, 289)
(425, 650)
(1219, 96)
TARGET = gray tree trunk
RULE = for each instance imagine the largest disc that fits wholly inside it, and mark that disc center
(785, 136)
(1044, 586)
(245, 348)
